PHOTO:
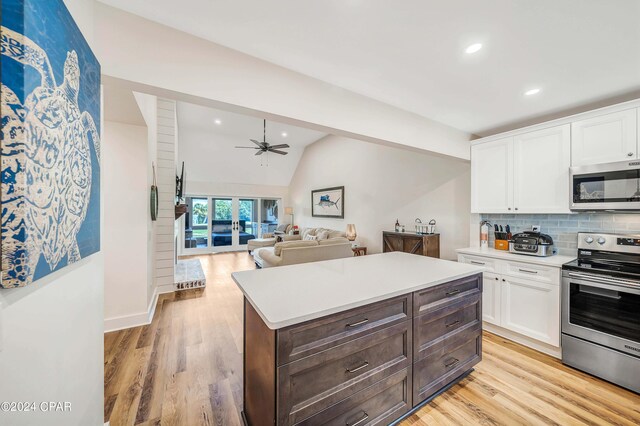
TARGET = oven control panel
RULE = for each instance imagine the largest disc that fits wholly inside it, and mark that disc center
(617, 243)
(635, 242)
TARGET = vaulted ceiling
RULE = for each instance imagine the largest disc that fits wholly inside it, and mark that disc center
(411, 54)
(207, 139)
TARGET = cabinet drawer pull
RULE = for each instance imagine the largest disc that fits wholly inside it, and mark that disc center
(452, 292)
(452, 324)
(364, 365)
(527, 271)
(452, 363)
(355, 324)
(477, 263)
(365, 417)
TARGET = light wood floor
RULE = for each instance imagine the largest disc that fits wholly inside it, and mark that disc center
(186, 369)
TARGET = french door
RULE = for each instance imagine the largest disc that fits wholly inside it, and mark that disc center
(220, 224)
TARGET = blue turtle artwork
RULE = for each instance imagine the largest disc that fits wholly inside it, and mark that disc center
(50, 163)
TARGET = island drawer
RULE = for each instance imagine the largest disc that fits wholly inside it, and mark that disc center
(445, 363)
(315, 383)
(380, 404)
(437, 297)
(306, 339)
(437, 326)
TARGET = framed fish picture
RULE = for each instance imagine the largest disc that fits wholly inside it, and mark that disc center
(328, 202)
(50, 140)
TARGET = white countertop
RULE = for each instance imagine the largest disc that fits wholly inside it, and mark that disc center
(556, 260)
(289, 295)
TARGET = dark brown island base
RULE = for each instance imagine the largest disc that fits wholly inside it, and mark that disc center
(370, 365)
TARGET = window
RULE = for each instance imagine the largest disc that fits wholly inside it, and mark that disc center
(196, 223)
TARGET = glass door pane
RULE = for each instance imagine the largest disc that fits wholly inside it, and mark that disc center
(247, 220)
(196, 223)
(269, 213)
(222, 223)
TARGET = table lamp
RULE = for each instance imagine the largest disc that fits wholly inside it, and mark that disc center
(289, 210)
(351, 232)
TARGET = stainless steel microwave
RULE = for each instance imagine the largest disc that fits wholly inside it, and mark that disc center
(609, 186)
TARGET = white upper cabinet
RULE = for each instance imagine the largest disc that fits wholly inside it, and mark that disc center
(607, 138)
(541, 161)
(491, 182)
(528, 173)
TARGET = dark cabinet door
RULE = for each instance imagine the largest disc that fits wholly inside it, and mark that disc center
(424, 245)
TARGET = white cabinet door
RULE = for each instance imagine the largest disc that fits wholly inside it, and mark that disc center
(541, 170)
(491, 291)
(491, 171)
(531, 308)
(604, 139)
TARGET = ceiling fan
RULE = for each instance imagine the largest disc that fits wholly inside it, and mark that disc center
(263, 146)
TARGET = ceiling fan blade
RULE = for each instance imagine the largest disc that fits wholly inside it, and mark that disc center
(260, 152)
(282, 145)
(275, 151)
(256, 142)
(249, 147)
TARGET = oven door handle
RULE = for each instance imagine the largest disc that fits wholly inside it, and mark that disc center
(606, 283)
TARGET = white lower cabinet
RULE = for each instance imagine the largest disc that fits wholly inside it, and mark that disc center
(491, 298)
(531, 308)
(521, 297)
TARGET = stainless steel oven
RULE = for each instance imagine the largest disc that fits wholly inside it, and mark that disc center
(601, 308)
(610, 186)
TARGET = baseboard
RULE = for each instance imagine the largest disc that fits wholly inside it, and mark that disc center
(545, 348)
(134, 320)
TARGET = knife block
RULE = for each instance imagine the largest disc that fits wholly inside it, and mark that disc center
(502, 245)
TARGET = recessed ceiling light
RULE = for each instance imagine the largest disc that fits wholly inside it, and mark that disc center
(284, 134)
(532, 92)
(217, 121)
(473, 48)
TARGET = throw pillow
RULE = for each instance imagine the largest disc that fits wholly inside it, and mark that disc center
(323, 235)
(282, 227)
(311, 237)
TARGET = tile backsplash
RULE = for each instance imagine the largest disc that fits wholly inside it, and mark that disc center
(563, 228)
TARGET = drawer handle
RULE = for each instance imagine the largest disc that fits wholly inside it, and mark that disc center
(527, 271)
(477, 263)
(452, 324)
(355, 324)
(365, 417)
(364, 365)
(452, 292)
(452, 363)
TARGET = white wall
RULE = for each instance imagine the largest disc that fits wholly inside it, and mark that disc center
(383, 184)
(126, 200)
(237, 190)
(51, 339)
(148, 106)
(177, 62)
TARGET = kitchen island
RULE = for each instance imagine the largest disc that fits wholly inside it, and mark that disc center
(356, 341)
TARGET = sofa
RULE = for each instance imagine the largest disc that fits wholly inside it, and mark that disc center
(268, 239)
(302, 251)
(306, 234)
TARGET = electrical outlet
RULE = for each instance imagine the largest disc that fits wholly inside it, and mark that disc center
(535, 228)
